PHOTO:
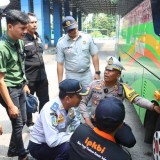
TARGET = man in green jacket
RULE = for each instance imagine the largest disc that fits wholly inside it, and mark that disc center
(12, 79)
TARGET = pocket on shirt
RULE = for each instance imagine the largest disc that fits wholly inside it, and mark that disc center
(69, 52)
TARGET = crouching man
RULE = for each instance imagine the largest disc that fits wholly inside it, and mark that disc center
(49, 138)
(99, 143)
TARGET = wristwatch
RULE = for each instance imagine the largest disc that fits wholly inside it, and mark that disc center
(98, 72)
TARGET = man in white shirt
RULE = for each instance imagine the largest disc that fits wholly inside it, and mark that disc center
(51, 133)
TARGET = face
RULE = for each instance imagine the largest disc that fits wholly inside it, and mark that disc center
(17, 31)
(74, 101)
(32, 26)
(111, 76)
(73, 33)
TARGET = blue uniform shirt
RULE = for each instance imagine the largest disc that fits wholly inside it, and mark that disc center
(52, 124)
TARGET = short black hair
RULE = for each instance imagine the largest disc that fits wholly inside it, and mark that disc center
(31, 14)
(15, 16)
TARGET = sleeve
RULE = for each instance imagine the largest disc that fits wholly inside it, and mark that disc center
(3, 62)
(60, 55)
(84, 102)
(52, 135)
(93, 47)
(144, 103)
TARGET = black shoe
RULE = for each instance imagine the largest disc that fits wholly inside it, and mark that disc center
(12, 154)
(26, 157)
(30, 124)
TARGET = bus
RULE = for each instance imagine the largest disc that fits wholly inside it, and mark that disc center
(139, 51)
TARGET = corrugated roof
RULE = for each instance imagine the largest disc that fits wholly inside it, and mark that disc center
(113, 7)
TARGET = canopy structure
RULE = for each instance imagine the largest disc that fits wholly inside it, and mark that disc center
(120, 7)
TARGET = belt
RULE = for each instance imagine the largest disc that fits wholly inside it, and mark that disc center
(21, 85)
(78, 71)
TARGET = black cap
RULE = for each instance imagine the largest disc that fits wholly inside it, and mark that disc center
(69, 23)
(72, 86)
(110, 109)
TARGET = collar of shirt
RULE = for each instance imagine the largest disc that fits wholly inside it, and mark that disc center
(68, 37)
(10, 40)
(30, 37)
(57, 100)
(104, 135)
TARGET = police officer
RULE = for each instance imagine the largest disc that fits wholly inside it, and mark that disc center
(99, 143)
(74, 50)
(12, 79)
(112, 87)
(49, 137)
(34, 65)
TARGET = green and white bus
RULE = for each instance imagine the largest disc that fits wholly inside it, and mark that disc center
(139, 51)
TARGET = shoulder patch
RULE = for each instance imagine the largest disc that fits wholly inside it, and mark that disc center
(55, 106)
(130, 93)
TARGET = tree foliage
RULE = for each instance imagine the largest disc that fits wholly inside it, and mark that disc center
(106, 24)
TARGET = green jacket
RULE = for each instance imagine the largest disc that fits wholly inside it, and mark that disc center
(11, 63)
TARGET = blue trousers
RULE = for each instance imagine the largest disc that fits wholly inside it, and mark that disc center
(44, 152)
(18, 97)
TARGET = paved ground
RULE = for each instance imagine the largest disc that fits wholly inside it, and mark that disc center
(141, 151)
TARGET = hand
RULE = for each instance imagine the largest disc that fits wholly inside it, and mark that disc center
(88, 122)
(96, 76)
(157, 109)
(13, 112)
(1, 130)
(26, 89)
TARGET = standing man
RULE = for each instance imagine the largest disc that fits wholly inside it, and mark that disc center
(49, 138)
(74, 50)
(112, 87)
(34, 65)
(12, 79)
(99, 143)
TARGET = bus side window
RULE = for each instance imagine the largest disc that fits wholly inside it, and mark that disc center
(155, 4)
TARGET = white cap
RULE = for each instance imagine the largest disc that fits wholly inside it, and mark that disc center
(114, 63)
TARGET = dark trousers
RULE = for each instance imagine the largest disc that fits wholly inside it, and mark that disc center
(125, 137)
(41, 90)
(44, 152)
(18, 97)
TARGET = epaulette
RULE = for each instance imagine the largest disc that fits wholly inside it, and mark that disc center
(97, 81)
(98, 84)
(61, 38)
